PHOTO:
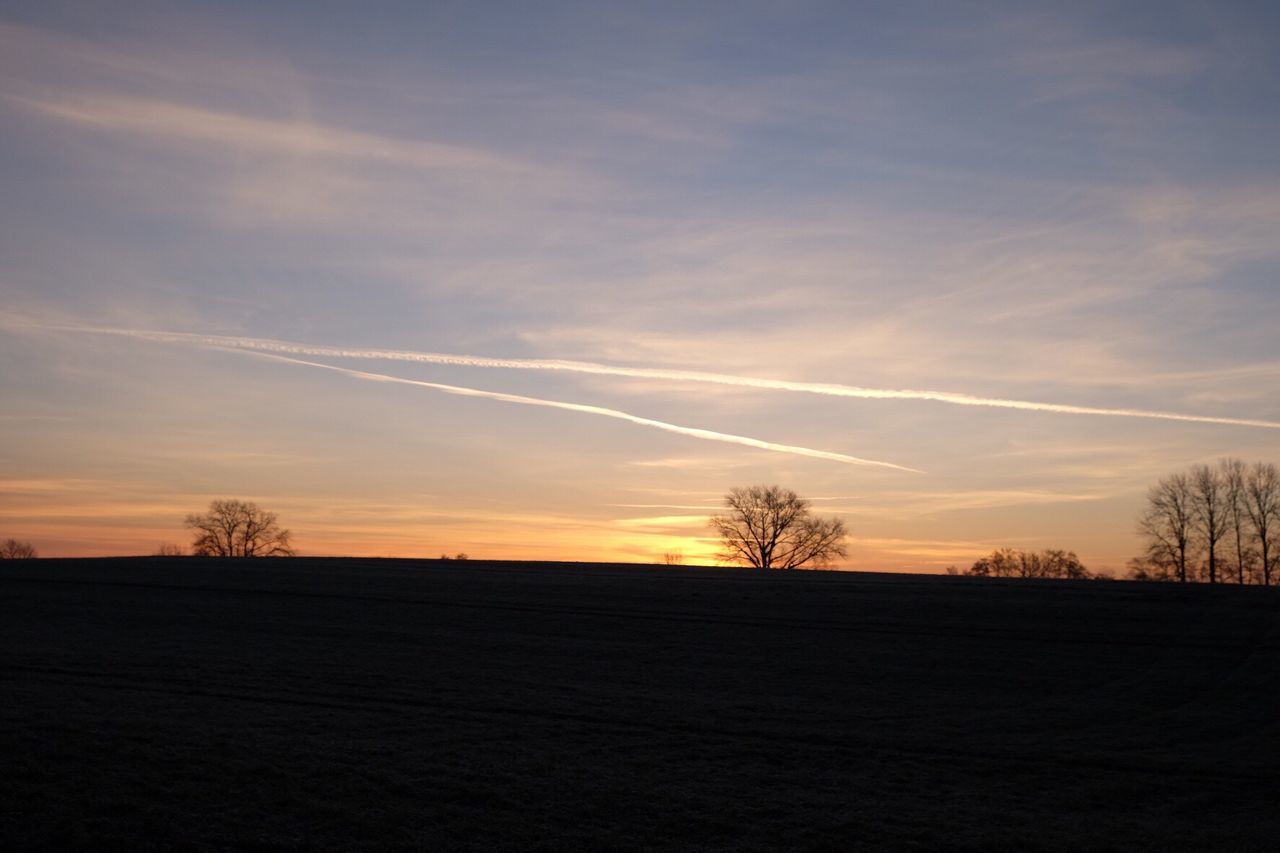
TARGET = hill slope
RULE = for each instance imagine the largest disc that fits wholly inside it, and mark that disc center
(368, 704)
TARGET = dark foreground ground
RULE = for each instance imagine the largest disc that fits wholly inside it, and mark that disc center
(362, 704)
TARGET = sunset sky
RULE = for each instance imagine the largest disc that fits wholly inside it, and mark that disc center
(764, 213)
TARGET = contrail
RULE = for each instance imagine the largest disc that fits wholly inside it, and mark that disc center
(709, 435)
(827, 389)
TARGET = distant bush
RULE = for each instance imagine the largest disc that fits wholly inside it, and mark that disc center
(12, 549)
(1147, 569)
(168, 549)
(1012, 563)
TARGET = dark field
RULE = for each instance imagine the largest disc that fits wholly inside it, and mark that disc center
(361, 704)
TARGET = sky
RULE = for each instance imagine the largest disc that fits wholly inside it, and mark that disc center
(544, 281)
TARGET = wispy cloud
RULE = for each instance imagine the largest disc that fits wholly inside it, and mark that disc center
(928, 552)
(262, 345)
(693, 432)
(682, 463)
(23, 418)
(665, 521)
(161, 118)
(908, 505)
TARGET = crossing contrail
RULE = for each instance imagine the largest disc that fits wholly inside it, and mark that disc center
(823, 388)
(694, 432)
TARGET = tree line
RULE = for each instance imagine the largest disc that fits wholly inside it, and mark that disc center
(1212, 523)
(1013, 563)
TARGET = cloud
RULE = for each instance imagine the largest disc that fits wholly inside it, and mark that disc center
(702, 507)
(693, 432)
(665, 521)
(262, 345)
(161, 118)
(691, 463)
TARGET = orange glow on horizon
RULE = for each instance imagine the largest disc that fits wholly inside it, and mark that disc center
(80, 518)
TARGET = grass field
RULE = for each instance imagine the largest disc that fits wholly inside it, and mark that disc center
(368, 704)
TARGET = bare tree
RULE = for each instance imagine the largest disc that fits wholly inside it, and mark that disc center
(1144, 568)
(1234, 474)
(1000, 563)
(673, 558)
(1262, 505)
(1210, 514)
(233, 528)
(1063, 564)
(12, 549)
(1168, 525)
(772, 528)
(168, 549)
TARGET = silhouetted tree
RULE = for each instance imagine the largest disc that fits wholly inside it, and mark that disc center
(1064, 564)
(1143, 569)
(1168, 523)
(168, 549)
(1000, 563)
(12, 549)
(772, 528)
(673, 558)
(233, 528)
(1234, 474)
(1234, 507)
(1012, 563)
(1262, 505)
(1210, 514)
